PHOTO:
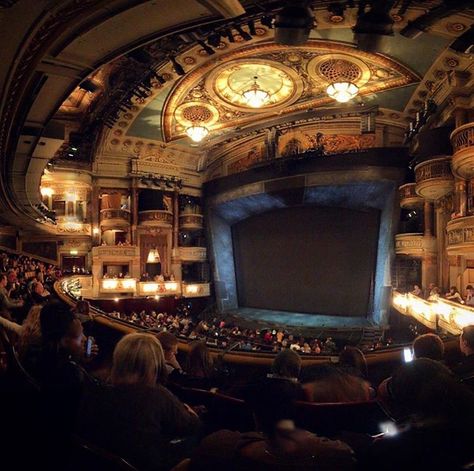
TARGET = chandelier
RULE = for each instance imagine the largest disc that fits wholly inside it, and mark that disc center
(255, 96)
(342, 91)
(197, 132)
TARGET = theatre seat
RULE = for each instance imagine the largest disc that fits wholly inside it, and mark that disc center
(222, 411)
(89, 456)
(331, 418)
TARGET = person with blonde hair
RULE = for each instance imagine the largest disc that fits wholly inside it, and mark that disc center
(135, 416)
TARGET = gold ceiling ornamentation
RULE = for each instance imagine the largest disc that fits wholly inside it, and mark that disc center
(230, 81)
(296, 80)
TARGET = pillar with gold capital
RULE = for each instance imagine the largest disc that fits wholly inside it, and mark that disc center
(134, 208)
(176, 268)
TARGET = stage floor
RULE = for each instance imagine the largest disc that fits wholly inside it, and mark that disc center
(298, 319)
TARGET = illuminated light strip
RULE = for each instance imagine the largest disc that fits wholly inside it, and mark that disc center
(450, 316)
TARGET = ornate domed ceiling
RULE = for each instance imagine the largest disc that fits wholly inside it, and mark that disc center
(295, 78)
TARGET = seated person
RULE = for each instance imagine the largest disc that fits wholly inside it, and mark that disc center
(200, 371)
(169, 343)
(465, 369)
(330, 384)
(136, 416)
(453, 295)
(417, 291)
(437, 414)
(353, 360)
(429, 346)
(287, 367)
(277, 445)
(435, 293)
(469, 295)
(39, 294)
(6, 303)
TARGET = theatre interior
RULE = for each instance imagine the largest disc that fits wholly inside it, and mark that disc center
(237, 235)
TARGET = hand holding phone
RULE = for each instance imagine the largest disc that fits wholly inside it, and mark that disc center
(407, 355)
(89, 343)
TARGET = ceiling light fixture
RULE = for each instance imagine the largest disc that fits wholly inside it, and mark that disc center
(255, 96)
(245, 36)
(208, 49)
(178, 68)
(342, 91)
(197, 132)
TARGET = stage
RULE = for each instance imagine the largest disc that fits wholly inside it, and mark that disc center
(300, 320)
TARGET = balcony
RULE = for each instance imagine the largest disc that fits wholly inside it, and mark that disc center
(164, 288)
(191, 222)
(196, 290)
(155, 217)
(408, 196)
(112, 251)
(445, 314)
(460, 236)
(114, 218)
(118, 285)
(434, 178)
(415, 244)
(193, 254)
(462, 140)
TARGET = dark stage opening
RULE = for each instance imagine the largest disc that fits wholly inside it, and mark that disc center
(307, 259)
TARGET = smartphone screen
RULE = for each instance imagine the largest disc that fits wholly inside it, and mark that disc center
(89, 346)
(407, 355)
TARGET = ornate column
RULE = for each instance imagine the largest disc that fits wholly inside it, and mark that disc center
(94, 214)
(175, 258)
(428, 218)
(134, 208)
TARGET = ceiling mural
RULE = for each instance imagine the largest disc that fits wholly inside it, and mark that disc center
(296, 79)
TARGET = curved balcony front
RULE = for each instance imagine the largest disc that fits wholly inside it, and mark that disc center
(460, 236)
(190, 222)
(193, 254)
(409, 199)
(114, 218)
(156, 218)
(414, 244)
(434, 178)
(462, 141)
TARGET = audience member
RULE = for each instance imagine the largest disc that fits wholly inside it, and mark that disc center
(454, 295)
(436, 432)
(435, 293)
(353, 360)
(429, 346)
(6, 304)
(277, 445)
(169, 343)
(466, 344)
(417, 291)
(136, 416)
(469, 295)
(330, 384)
(200, 371)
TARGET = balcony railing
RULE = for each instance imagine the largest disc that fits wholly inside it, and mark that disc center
(191, 221)
(114, 217)
(434, 178)
(193, 254)
(155, 217)
(463, 137)
(462, 140)
(195, 290)
(460, 233)
(408, 196)
(414, 244)
(445, 314)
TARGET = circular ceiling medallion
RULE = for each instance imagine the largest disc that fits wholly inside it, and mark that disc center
(339, 68)
(230, 81)
(195, 112)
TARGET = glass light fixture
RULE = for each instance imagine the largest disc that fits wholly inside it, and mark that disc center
(255, 96)
(153, 256)
(342, 91)
(196, 132)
